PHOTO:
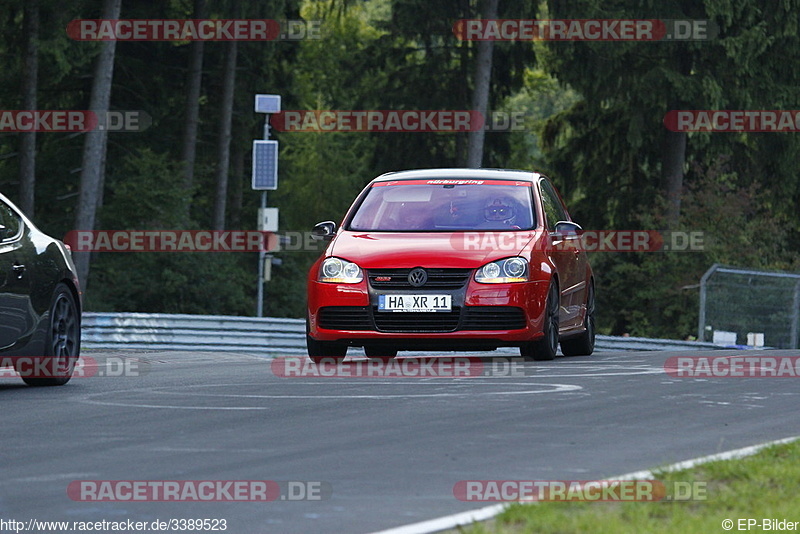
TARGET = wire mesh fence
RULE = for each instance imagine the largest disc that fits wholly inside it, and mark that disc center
(746, 307)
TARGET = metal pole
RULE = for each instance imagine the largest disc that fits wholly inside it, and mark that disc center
(262, 254)
(701, 326)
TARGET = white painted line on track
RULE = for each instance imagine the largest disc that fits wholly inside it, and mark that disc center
(534, 388)
(482, 514)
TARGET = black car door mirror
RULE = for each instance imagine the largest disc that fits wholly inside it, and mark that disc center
(567, 230)
(324, 230)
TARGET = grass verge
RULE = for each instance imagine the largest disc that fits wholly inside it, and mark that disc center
(763, 486)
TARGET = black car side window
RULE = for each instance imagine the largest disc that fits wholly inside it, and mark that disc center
(10, 220)
(553, 210)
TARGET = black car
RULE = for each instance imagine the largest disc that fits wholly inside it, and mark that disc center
(40, 303)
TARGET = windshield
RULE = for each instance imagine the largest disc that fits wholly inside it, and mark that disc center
(445, 205)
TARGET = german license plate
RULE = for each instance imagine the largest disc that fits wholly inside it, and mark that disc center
(414, 303)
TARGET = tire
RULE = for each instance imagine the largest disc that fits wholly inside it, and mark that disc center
(63, 340)
(319, 350)
(583, 345)
(380, 353)
(545, 348)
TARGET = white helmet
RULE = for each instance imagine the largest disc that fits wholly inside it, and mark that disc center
(501, 209)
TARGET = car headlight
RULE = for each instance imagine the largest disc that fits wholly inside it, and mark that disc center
(340, 271)
(503, 271)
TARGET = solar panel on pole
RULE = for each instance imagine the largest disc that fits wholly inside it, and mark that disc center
(265, 165)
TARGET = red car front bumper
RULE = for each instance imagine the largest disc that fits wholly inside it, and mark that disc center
(483, 315)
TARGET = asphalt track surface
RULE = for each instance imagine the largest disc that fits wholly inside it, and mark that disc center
(390, 450)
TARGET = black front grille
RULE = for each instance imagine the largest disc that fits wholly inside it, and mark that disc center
(345, 318)
(493, 318)
(467, 318)
(437, 278)
(417, 321)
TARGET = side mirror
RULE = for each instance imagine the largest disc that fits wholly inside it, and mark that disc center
(567, 230)
(324, 230)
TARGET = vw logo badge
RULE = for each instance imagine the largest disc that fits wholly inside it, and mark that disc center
(417, 277)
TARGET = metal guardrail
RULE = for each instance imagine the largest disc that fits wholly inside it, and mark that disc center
(645, 343)
(158, 331)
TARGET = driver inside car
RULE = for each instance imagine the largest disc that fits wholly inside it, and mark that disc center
(500, 213)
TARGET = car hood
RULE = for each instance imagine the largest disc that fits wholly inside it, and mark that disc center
(377, 250)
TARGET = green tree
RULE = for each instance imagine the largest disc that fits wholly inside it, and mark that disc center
(620, 168)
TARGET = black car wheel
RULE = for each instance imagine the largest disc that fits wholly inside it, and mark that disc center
(379, 352)
(546, 347)
(583, 345)
(63, 344)
(320, 350)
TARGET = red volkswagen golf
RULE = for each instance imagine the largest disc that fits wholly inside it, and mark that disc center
(452, 259)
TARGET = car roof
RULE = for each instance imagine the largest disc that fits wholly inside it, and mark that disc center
(455, 173)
